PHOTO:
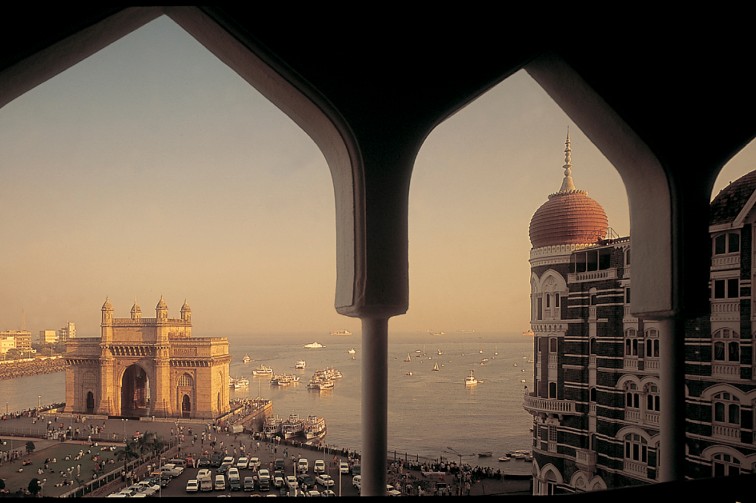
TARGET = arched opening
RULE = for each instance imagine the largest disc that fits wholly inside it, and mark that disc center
(90, 402)
(186, 407)
(135, 392)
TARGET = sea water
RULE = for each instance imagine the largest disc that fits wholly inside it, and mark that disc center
(431, 414)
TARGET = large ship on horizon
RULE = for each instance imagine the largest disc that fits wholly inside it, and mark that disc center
(343, 331)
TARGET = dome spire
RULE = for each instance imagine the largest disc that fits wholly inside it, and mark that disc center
(567, 184)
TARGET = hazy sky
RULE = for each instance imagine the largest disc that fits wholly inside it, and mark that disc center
(152, 169)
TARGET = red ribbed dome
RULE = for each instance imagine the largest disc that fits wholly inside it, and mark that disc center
(569, 217)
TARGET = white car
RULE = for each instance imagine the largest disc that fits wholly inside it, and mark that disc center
(324, 480)
(192, 486)
(242, 463)
(328, 492)
(344, 467)
(313, 492)
(278, 481)
(233, 472)
(357, 481)
(303, 465)
(291, 482)
(254, 463)
(319, 466)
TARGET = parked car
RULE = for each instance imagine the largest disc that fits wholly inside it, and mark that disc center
(172, 469)
(303, 465)
(248, 484)
(319, 466)
(220, 483)
(254, 463)
(324, 480)
(313, 492)
(279, 464)
(192, 486)
(306, 479)
(344, 467)
(242, 463)
(328, 492)
(292, 482)
(357, 482)
(216, 458)
(278, 481)
(233, 472)
(234, 483)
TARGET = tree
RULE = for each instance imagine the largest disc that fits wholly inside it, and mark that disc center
(30, 447)
(128, 452)
(34, 486)
(151, 443)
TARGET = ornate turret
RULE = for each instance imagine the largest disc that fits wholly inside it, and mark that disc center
(569, 217)
(136, 311)
(107, 312)
(186, 312)
(161, 310)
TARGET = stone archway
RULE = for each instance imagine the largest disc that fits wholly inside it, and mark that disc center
(90, 403)
(186, 406)
(135, 392)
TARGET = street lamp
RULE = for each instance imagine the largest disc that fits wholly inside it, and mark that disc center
(39, 402)
(453, 451)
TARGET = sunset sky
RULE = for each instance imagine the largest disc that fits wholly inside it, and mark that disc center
(152, 169)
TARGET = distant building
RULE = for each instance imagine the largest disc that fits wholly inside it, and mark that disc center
(6, 342)
(48, 337)
(21, 339)
(148, 367)
(67, 332)
(595, 399)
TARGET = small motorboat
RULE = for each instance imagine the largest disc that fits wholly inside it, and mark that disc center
(486, 454)
(505, 458)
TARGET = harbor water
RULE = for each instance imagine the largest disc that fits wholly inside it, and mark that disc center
(431, 414)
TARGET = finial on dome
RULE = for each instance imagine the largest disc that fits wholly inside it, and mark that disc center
(567, 184)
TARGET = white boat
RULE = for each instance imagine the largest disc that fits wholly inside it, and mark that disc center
(315, 428)
(435, 367)
(351, 351)
(320, 383)
(314, 345)
(471, 380)
(272, 426)
(341, 332)
(300, 364)
(439, 352)
(436, 333)
(262, 370)
(292, 426)
(284, 379)
(246, 359)
(236, 383)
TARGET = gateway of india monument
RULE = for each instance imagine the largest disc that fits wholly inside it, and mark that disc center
(141, 367)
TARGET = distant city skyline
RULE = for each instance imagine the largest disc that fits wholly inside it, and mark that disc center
(152, 169)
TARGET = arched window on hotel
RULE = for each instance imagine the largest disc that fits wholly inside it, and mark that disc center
(726, 346)
(723, 465)
(726, 409)
(636, 449)
(632, 398)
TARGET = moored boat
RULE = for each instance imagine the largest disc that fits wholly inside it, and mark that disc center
(300, 364)
(246, 359)
(238, 382)
(315, 428)
(485, 454)
(341, 332)
(292, 426)
(262, 370)
(272, 426)
(314, 345)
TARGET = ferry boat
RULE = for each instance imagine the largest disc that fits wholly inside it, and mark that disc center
(300, 364)
(315, 428)
(471, 380)
(246, 359)
(236, 383)
(341, 332)
(320, 383)
(292, 426)
(284, 379)
(314, 345)
(263, 370)
(272, 426)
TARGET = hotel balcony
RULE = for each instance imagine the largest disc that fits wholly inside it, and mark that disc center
(539, 405)
(591, 276)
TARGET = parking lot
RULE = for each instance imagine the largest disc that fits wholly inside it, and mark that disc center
(331, 478)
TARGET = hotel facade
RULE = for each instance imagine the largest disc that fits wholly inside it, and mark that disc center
(596, 391)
